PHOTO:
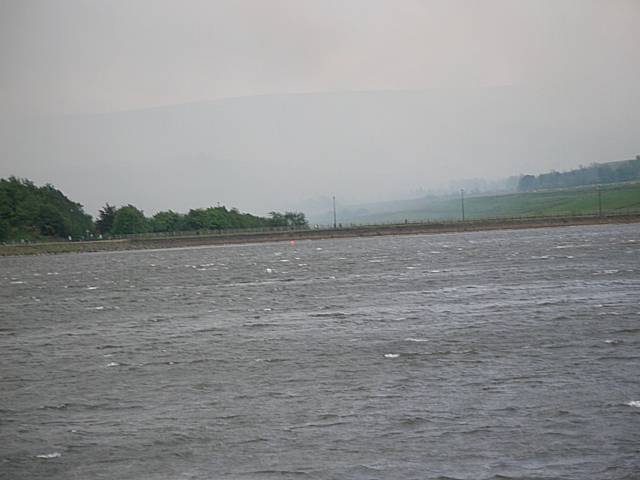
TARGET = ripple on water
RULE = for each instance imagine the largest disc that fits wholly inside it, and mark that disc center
(494, 366)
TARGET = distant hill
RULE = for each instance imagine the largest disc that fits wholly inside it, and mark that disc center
(272, 152)
(598, 173)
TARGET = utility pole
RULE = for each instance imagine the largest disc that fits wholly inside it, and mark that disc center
(335, 225)
(599, 201)
(462, 202)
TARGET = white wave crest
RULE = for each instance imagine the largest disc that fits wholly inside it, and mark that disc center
(47, 456)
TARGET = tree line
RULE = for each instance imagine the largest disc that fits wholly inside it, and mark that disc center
(30, 212)
(129, 220)
(595, 174)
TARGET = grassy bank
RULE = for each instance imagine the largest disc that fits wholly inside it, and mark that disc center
(613, 199)
(357, 231)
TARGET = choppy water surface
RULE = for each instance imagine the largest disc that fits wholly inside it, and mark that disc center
(480, 355)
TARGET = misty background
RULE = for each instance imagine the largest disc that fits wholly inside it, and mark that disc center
(279, 105)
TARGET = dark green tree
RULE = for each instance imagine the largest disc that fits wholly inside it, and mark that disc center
(168, 221)
(128, 220)
(4, 230)
(296, 219)
(277, 219)
(51, 222)
(197, 219)
(106, 216)
(288, 219)
(31, 212)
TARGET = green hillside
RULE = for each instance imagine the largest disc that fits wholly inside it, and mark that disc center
(616, 198)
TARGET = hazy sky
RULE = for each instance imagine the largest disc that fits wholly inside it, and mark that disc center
(102, 56)
(94, 56)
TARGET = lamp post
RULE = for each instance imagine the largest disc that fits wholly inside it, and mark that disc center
(462, 202)
(334, 213)
(599, 201)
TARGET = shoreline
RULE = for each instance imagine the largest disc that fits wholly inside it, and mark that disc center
(311, 234)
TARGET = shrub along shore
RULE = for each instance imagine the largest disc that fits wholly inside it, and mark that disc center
(222, 238)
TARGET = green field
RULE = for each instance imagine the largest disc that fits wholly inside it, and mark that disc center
(617, 198)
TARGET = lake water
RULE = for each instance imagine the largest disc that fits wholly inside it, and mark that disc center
(487, 355)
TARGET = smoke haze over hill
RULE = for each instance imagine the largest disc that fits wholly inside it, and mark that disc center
(277, 152)
(179, 105)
